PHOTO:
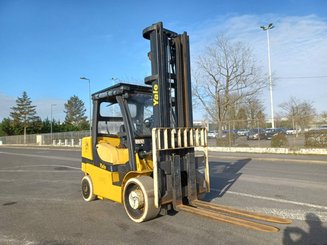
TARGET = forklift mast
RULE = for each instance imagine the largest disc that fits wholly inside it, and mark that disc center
(170, 78)
(176, 171)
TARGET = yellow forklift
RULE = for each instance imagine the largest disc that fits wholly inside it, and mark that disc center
(142, 149)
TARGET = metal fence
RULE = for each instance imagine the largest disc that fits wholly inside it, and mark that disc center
(242, 141)
(256, 133)
(59, 139)
(233, 133)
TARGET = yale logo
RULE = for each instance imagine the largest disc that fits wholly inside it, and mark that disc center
(155, 94)
(86, 146)
(103, 166)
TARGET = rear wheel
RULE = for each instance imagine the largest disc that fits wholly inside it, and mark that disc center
(139, 199)
(87, 189)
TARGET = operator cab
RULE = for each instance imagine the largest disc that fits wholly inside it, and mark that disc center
(122, 121)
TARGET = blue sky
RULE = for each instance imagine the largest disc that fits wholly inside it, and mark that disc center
(46, 46)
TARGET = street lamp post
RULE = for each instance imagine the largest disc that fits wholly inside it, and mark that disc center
(85, 78)
(52, 105)
(267, 28)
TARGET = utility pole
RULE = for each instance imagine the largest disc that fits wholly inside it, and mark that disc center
(85, 78)
(52, 105)
(267, 28)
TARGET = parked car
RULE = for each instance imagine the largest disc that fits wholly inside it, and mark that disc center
(292, 131)
(226, 133)
(212, 134)
(242, 132)
(317, 129)
(270, 132)
(256, 134)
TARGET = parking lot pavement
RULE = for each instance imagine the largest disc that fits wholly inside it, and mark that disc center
(40, 203)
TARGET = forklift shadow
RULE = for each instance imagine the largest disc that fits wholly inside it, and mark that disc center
(222, 176)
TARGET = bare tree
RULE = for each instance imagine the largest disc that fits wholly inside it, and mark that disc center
(254, 109)
(299, 112)
(226, 73)
(323, 115)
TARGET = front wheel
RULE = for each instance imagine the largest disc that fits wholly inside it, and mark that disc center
(139, 199)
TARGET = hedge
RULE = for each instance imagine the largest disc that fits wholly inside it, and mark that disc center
(316, 138)
(279, 140)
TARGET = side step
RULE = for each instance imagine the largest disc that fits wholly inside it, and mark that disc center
(223, 213)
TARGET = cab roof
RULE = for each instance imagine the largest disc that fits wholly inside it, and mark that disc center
(119, 89)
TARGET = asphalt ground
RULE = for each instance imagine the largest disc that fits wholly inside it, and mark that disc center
(41, 203)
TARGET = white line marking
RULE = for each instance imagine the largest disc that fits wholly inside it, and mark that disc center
(64, 166)
(7, 180)
(22, 198)
(290, 213)
(276, 200)
(275, 181)
(39, 156)
(41, 171)
(37, 171)
(6, 240)
(21, 181)
(274, 159)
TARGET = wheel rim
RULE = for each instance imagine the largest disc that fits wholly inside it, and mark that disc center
(134, 194)
(136, 199)
(86, 190)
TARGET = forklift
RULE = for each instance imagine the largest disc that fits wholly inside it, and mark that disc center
(141, 152)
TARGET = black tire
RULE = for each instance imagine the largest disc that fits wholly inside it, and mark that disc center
(138, 198)
(87, 189)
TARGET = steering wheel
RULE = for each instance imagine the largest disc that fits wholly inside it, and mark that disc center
(148, 121)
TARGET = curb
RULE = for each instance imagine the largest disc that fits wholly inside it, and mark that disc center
(310, 151)
(315, 151)
(42, 147)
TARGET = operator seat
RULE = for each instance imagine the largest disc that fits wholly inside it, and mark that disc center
(123, 137)
(114, 154)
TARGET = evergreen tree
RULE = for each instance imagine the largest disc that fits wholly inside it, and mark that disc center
(261, 119)
(57, 126)
(23, 114)
(75, 114)
(7, 127)
(241, 118)
(35, 127)
(46, 126)
(2, 133)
